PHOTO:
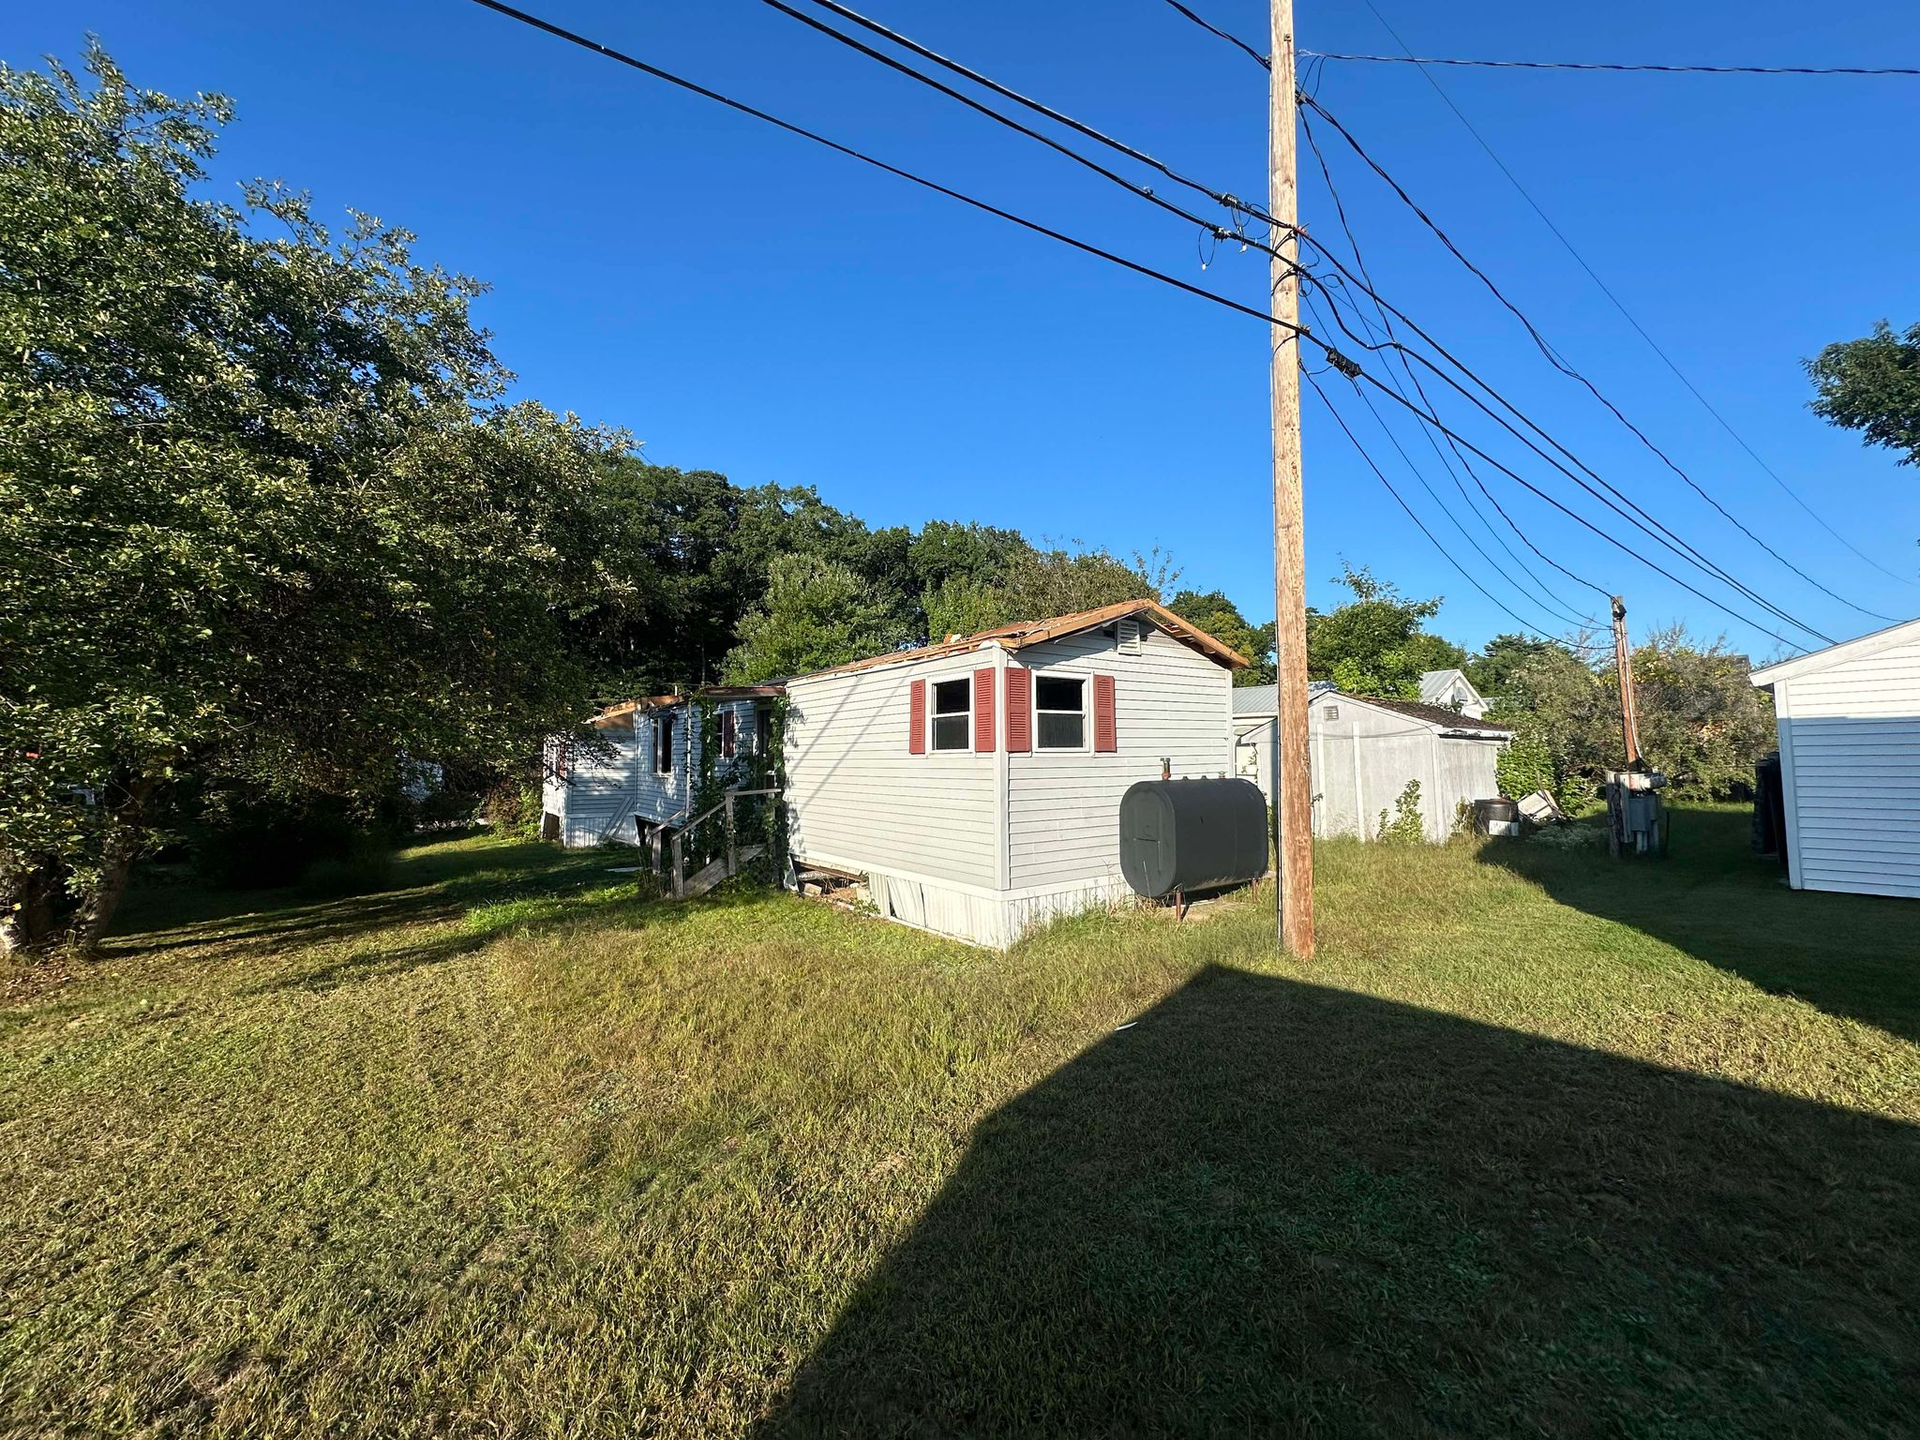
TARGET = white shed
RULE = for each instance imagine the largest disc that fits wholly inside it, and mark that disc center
(1362, 751)
(639, 781)
(976, 783)
(1849, 726)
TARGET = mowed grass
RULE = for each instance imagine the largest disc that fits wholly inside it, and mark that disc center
(1539, 1144)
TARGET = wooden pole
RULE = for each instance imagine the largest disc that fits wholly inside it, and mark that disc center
(1293, 787)
(1623, 665)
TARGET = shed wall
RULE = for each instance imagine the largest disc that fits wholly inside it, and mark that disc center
(1850, 770)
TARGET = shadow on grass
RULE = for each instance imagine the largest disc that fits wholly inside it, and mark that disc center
(1268, 1206)
(431, 882)
(1715, 899)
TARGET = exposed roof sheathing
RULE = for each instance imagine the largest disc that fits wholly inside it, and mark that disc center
(1021, 633)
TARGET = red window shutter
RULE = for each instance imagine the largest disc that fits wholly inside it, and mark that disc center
(983, 717)
(1105, 736)
(1019, 710)
(729, 733)
(917, 718)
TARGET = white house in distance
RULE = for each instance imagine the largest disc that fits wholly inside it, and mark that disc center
(1451, 690)
(1362, 752)
(642, 788)
(1849, 725)
(976, 783)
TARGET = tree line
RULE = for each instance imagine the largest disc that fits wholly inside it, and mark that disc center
(272, 534)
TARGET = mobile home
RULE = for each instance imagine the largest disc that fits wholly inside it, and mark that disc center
(976, 783)
(635, 785)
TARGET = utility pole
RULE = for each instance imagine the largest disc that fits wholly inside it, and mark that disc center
(1623, 665)
(1292, 784)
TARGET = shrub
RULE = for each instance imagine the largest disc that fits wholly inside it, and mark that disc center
(1407, 827)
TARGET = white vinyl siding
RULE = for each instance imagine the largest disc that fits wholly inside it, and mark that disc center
(1063, 807)
(1361, 757)
(860, 800)
(1850, 769)
(601, 797)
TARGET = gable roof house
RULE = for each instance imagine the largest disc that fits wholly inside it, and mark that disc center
(640, 783)
(1362, 751)
(1848, 719)
(1451, 690)
(976, 782)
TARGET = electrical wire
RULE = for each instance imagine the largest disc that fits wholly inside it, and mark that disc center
(839, 9)
(1231, 202)
(1230, 38)
(1441, 505)
(1312, 107)
(1625, 313)
(1624, 69)
(1340, 361)
(1452, 560)
(1218, 231)
(1359, 260)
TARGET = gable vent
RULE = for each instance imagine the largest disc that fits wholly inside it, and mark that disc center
(1127, 633)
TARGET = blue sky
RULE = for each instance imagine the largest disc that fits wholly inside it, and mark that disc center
(745, 302)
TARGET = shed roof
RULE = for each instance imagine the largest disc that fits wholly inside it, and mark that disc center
(1433, 714)
(1021, 633)
(1256, 701)
(1855, 649)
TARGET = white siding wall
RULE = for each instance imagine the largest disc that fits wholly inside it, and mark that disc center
(1063, 809)
(1363, 759)
(859, 801)
(595, 801)
(1850, 762)
(604, 795)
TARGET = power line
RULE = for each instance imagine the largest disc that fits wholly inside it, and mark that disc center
(1615, 500)
(1353, 244)
(1631, 69)
(1310, 105)
(1218, 231)
(1231, 202)
(874, 26)
(1231, 39)
(1433, 540)
(743, 108)
(1347, 366)
(1620, 305)
(1441, 505)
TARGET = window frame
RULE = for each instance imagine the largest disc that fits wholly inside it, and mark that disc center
(1085, 682)
(934, 715)
(663, 728)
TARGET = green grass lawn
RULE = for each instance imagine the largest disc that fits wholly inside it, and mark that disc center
(1538, 1145)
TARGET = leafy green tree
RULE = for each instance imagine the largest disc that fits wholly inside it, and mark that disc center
(817, 613)
(1214, 613)
(1374, 644)
(261, 514)
(1702, 721)
(1500, 657)
(1873, 385)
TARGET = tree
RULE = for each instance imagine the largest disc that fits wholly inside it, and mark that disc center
(1702, 721)
(1374, 644)
(1214, 613)
(1490, 670)
(816, 614)
(1873, 385)
(261, 514)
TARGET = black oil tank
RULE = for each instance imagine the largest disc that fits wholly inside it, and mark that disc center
(1192, 835)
